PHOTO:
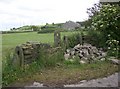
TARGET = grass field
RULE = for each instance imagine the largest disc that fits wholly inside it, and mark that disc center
(10, 41)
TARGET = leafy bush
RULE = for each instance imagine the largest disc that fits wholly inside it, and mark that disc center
(50, 29)
(46, 31)
(9, 72)
(9, 32)
(113, 47)
(106, 20)
(74, 40)
(95, 38)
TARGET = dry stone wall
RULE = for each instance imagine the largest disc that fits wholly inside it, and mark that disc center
(28, 52)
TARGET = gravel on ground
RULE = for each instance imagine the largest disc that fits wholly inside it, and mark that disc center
(110, 81)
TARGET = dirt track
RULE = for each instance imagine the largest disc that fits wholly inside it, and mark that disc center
(110, 81)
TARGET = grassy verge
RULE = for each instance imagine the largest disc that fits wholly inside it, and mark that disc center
(48, 58)
(69, 74)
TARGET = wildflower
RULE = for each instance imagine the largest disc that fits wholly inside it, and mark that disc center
(101, 25)
(110, 42)
(108, 47)
(109, 35)
(114, 49)
(113, 52)
(117, 48)
(117, 41)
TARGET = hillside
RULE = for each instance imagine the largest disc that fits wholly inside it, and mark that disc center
(27, 28)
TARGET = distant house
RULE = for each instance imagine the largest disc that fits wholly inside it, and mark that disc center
(70, 25)
(110, 1)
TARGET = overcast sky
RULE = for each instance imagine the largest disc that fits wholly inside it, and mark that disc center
(16, 13)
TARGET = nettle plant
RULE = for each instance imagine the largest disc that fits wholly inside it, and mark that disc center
(113, 46)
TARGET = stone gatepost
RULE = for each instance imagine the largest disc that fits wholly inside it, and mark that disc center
(57, 39)
(19, 56)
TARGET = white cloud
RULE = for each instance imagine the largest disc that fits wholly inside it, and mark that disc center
(14, 13)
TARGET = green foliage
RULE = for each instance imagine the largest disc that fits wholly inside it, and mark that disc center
(26, 28)
(74, 39)
(93, 11)
(46, 31)
(49, 28)
(49, 58)
(113, 47)
(74, 61)
(9, 32)
(46, 59)
(35, 28)
(107, 21)
(9, 72)
(95, 38)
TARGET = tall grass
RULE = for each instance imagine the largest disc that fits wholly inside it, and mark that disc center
(46, 59)
(74, 39)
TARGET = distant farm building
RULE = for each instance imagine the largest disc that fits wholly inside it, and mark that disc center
(70, 25)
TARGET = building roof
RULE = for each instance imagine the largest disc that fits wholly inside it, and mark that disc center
(70, 25)
(109, 1)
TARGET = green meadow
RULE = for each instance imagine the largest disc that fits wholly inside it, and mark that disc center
(10, 41)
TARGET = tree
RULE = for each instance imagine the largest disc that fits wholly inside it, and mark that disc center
(53, 24)
(94, 10)
(106, 20)
(46, 24)
(35, 28)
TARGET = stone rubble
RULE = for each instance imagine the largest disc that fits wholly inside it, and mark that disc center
(86, 53)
